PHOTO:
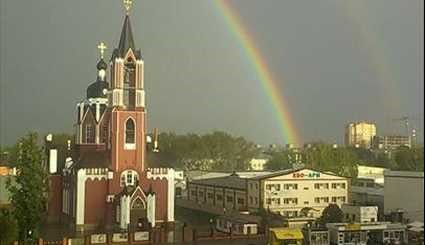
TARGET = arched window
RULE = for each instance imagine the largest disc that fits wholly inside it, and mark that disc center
(130, 132)
(129, 177)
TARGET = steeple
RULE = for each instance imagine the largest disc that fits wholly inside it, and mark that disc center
(126, 39)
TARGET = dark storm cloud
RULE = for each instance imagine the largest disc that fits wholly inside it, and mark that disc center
(197, 77)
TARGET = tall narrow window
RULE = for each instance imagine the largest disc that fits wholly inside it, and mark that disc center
(89, 135)
(105, 132)
(129, 83)
(129, 132)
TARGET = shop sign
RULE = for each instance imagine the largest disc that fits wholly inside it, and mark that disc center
(306, 175)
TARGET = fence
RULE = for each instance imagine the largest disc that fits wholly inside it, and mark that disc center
(153, 236)
(40, 241)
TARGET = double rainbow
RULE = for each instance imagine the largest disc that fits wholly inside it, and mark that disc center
(264, 75)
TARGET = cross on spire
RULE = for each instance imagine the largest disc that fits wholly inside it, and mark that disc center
(127, 5)
(101, 48)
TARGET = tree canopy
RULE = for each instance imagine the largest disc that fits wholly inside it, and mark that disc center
(280, 160)
(29, 192)
(331, 214)
(214, 151)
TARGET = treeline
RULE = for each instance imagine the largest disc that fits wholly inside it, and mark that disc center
(220, 151)
(213, 151)
(343, 160)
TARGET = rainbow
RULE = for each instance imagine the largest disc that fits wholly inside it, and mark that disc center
(264, 75)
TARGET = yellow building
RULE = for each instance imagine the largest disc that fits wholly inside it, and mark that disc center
(285, 236)
(291, 191)
(360, 134)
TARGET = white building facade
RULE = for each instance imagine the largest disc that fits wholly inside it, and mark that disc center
(290, 191)
(360, 214)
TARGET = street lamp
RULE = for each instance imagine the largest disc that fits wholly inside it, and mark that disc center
(211, 227)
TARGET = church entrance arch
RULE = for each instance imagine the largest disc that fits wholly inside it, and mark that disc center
(138, 213)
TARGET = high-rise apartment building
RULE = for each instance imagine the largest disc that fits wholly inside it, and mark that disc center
(360, 134)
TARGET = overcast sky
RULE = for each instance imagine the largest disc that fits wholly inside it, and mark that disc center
(336, 61)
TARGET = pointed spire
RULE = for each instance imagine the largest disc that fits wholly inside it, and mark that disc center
(126, 39)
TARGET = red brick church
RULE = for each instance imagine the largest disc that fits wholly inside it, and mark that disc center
(106, 183)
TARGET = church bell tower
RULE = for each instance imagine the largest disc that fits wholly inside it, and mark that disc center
(127, 102)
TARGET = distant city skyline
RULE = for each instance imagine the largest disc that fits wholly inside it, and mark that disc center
(335, 63)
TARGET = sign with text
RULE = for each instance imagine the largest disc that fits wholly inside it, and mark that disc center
(98, 238)
(120, 237)
(306, 175)
(141, 236)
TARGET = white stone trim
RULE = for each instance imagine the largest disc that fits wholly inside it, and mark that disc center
(168, 174)
(150, 210)
(135, 175)
(124, 212)
(140, 98)
(81, 194)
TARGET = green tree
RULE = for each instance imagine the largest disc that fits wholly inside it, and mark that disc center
(331, 214)
(8, 229)
(342, 160)
(29, 193)
(279, 161)
(214, 151)
(409, 159)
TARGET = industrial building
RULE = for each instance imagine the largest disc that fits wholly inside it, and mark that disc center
(391, 142)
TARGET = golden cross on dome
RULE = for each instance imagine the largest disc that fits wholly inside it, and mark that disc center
(127, 5)
(102, 48)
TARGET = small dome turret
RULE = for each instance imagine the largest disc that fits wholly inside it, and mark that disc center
(101, 65)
